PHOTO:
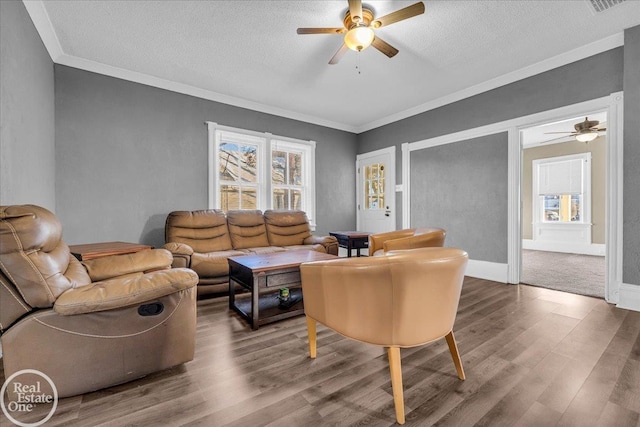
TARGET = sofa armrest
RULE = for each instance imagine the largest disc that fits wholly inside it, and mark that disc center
(178, 249)
(376, 241)
(120, 265)
(132, 289)
(181, 254)
(330, 243)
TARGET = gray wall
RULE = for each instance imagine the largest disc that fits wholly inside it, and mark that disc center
(27, 147)
(590, 78)
(468, 179)
(631, 230)
(128, 154)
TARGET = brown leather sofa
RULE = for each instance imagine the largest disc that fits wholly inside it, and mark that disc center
(93, 324)
(203, 240)
(410, 238)
(404, 299)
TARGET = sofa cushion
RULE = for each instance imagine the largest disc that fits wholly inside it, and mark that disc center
(247, 229)
(286, 228)
(212, 264)
(204, 231)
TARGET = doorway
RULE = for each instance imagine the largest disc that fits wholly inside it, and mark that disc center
(563, 196)
(375, 190)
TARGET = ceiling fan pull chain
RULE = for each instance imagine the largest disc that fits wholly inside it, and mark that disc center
(358, 63)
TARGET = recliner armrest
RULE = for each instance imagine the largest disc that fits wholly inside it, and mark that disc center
(132, 289)
(119, 265)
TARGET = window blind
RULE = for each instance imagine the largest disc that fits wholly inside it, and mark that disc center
(562, 177)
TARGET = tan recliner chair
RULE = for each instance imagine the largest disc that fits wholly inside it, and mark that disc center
(410, 238)
(404, 299)
(91, 325)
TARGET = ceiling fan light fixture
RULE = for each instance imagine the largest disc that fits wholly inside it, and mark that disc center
(586, 136)
(359, 38)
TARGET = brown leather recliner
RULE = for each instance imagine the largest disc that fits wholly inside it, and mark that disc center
(404, 299)
(410, 238)
(91, 325)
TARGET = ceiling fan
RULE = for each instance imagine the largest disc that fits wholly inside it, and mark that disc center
(359, 25)
(584, 131)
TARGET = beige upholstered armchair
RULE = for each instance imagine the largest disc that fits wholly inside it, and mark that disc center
(410, 238)
(93, 324)
(404, 299)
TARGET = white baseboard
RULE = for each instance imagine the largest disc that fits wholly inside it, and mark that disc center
(488, 270)
(565, 247)
(629, 297)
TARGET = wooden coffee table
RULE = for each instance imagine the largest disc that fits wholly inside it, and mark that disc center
(263, 276)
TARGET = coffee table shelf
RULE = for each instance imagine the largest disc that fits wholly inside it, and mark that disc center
(263, 276)
(269, 306)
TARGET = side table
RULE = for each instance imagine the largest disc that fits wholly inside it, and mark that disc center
(352, 240)
(98, 250)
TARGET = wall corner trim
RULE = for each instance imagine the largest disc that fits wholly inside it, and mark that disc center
(629, 297)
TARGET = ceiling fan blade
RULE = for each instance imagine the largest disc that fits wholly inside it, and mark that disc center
(384, 47)
(601, 129)
(572, 133)
(399, 15)
(321, 30)
(339, 54)
(355, 9)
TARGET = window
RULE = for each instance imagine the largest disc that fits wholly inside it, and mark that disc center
(238, 172)
(287, 177)
(562, 188)
(251, 170)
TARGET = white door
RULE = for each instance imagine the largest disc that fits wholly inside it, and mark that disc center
(376, 190)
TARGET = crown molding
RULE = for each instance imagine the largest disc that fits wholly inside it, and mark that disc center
(45, 29)
(149, 80)
(565, 58)
(41, 21)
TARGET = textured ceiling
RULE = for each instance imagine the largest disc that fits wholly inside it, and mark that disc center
(247, 53)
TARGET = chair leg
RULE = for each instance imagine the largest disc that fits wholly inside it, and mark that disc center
(311, 332)
(396, 382)
(453, 348)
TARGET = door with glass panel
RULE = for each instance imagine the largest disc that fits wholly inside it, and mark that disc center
(376, 191)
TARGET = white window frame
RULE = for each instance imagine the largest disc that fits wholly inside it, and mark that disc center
(265, 142)
(571, 231)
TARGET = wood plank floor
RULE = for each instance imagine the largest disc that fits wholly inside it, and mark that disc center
(532, 356)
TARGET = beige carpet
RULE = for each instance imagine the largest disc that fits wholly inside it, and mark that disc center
(577, 274)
